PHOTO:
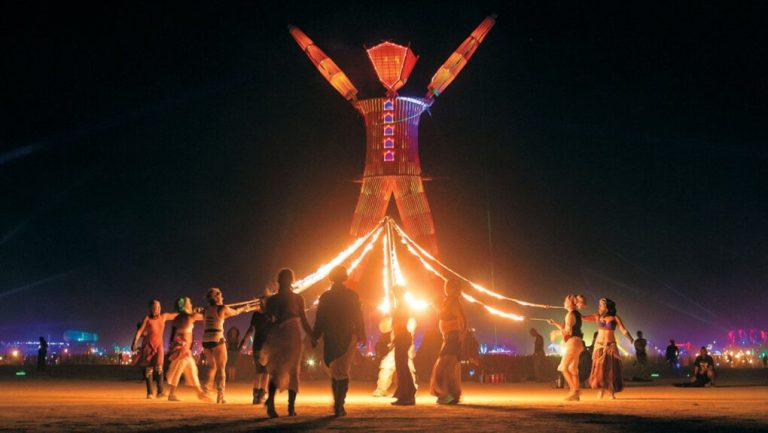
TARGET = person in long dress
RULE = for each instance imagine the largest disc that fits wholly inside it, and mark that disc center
(606, 360)
(180, 352)
(283, 345)
(339, 322)
(445, 383)
(572, 335)
(151, 355)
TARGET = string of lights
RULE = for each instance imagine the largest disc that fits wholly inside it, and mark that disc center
(406, 239)
(322, 272)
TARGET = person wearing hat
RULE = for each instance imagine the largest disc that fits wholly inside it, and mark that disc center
(339, 322)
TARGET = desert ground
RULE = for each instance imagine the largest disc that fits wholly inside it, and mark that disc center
(63, 404)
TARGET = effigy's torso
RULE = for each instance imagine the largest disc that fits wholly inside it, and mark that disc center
(392, 135)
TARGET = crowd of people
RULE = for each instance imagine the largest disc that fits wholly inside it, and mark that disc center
(279, 318)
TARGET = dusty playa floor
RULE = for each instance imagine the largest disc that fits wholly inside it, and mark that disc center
(61, 405)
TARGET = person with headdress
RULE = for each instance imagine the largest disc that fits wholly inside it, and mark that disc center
(572, 335)
(214, 343)
(606, 359)
(180, 352)
(259, 327)
(402, 339)
(445, 383)
(283, 346)
(151, 355)
(339, 322)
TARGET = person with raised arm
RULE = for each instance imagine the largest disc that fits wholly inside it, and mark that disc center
(572, 335)
(151, 355)
(606, 360)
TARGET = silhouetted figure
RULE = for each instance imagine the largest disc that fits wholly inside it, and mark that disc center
(403, 342)
(259, 327)
(339, 322)
(672, 354)
(283, 345)
(538, 355)
(233, 352)
(641, 355)
(42, 354)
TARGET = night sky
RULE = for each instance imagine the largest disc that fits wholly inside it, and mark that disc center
(154, 150)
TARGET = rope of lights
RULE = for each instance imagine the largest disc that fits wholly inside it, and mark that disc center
(321, 272)
(406, 239)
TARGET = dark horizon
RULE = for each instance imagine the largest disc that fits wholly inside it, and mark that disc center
(153, 151)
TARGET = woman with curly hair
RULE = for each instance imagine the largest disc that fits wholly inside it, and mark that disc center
(606, 359)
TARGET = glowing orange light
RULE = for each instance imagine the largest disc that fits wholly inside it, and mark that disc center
(393, 64)
(322, 271)
(456, 62)
(330, 71)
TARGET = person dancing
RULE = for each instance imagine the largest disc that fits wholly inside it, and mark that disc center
(151, 355)
(283, 345)
(606, 359)
(214, 343)
(259, 327)
(572, 335)
(339, 322)
(445, 383)
(180, 352)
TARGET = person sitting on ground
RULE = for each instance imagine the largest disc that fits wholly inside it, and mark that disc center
(703, 371)
(704, 367)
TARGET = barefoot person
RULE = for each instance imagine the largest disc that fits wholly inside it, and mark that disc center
(339, 322)
(572, 335)
(180, 352)
(283, 345)
(445, 383)
(151, 355)
(214, 343)
(606, 359)
(259, 327)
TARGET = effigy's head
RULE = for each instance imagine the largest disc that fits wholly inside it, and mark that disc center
(393, 64)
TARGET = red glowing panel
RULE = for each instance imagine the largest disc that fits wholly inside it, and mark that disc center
(389, 156)
(393, 64)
